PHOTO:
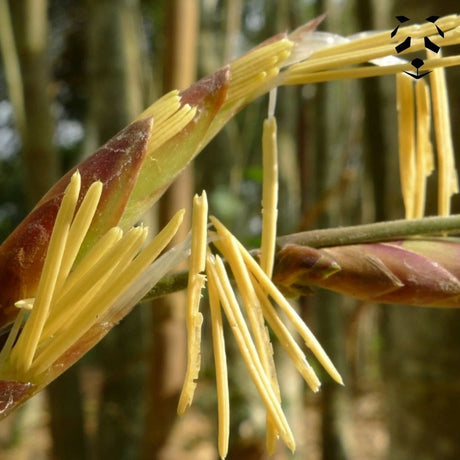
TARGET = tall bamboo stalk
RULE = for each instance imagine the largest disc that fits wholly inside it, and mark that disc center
(30, 24)
(331, 150)
(420, 363)
(31, 100)
(115, 85)
(167, 357)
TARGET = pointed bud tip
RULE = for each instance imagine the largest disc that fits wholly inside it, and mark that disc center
(209, 85)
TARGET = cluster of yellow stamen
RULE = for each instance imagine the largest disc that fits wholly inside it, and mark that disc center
(338, 58)
(251, 72)
(249, 327)
(415, 149)
(252, 280)
(447, 174)
(71, 299)
(170, 116)
(306, 56)
(416, 157)
(196, 283)
(334, 52)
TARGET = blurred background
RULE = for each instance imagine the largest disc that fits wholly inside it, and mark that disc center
(85, 69)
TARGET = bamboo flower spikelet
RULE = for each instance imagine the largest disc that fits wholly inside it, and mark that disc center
(80, 262)
(60, 315)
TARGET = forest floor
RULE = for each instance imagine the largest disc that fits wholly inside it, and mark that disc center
(366, 436)
(192, 437)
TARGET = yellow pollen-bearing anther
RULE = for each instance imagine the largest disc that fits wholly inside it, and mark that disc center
(220, 360)
(406, 130)
(196, 281)
(269, 195)
(248, 349)
(447, 174)
(70, 300)
(163, 108)
(24, 351)
(425, 156)
(272, 291)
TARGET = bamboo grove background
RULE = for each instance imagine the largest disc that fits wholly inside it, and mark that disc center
(86, 69)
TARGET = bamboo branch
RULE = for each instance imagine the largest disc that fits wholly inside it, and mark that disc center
(358, 234)
(372, 233)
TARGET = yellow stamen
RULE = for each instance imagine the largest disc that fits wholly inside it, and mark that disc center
(256, 68)
(85, 311)
(24, 351)
(97, 305)
(84, 275)
(163, 108)
(13, 334)
(247, 85)
(271, 290)
(301, 76)
(69, 303)
(269, 220)
(264, 57)
(269, 195)
(78, 230)
(406, 127)
(256, 320)
(172, 126)
(169, 117)
(447, 23)
(338, 59)
(196, 281)
(216, 271)
(286, 340)
(424, 160)
(318, 67)
(447, 176)
(220, 360)
(115, 259)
